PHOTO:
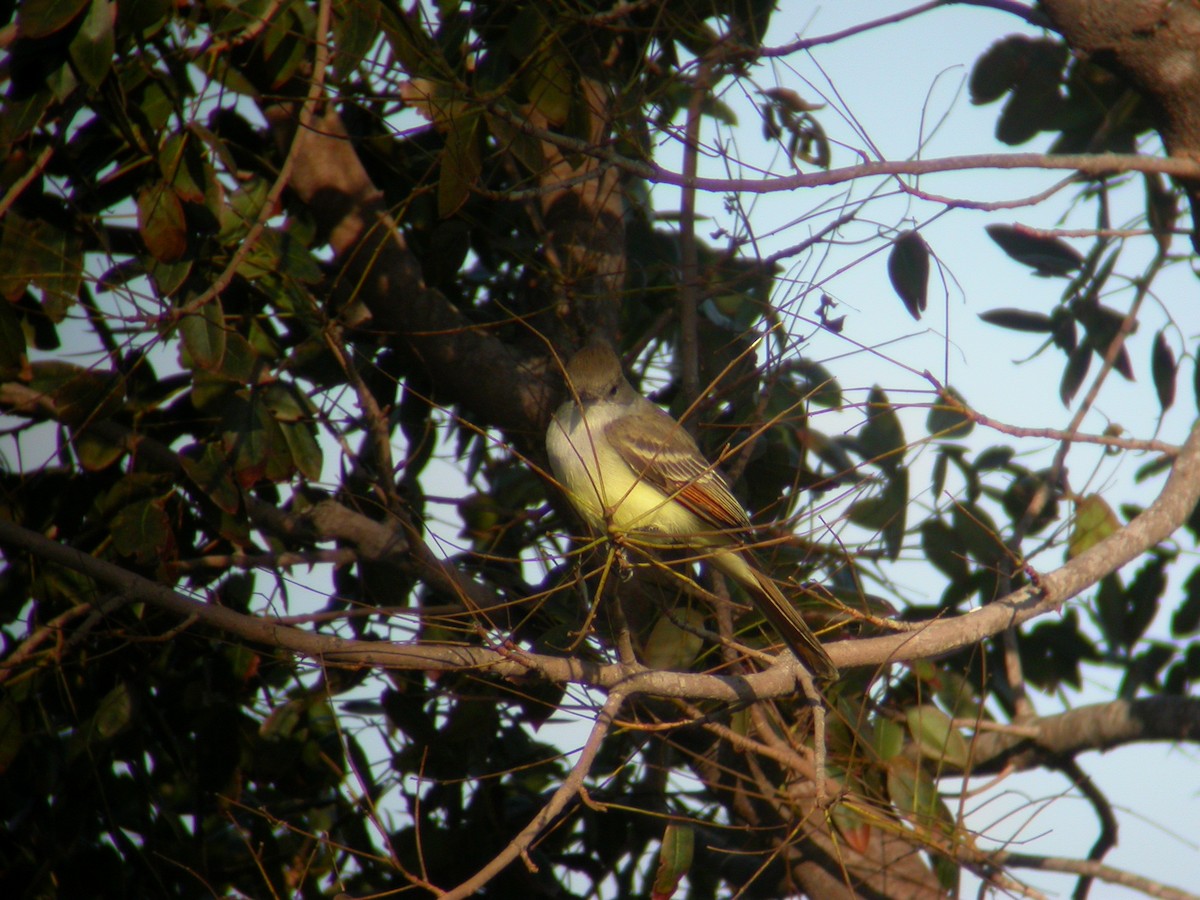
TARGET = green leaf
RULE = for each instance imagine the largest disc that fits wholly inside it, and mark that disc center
(945, 549)
(525, 148)
(161, 222)
(1076, 370)
(1046, 255)
(936, 737)
(211, 474)
(93, 47)
(95, 453)
(937, 481)
(674, 859)
(886, 513)
(81, 396)
(946, 418)
(1094, 521)
(355, 29)
(549, 82)
(39, 18)
(305, 451)
(1142, 599)
(1019, 320)
(908, 270)
(1186, 618)
(998, 69)
(978, 533)
(888, 739)
(913, 792)
(461, 164)
(142, 531)
(33, 250)
(882, 437)
(1163, 368)
(203, 334)
(817, 383)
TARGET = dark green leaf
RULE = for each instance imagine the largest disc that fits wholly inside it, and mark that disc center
(882, 437)
(978, 533)
(1051, 653)
(817, 383)
(947, 419)
(96, 453)
(887, 512)
(944, 548)
(908, 269)
(143, 531)
(355, 29)
(998, 69)
(1186, 618)
(938, 478)
(1047, 255)
(1077, 369)
(1142, 599)
(94, 44)
(1163, 369)
(203, 334)
(161, 222)
(1019, 320)
(461, 164)
(994, 458)
(38, 18)
(305, 451)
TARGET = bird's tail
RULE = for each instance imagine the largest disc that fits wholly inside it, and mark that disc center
(779, 611)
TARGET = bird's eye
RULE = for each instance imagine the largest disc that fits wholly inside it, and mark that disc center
(612, 391)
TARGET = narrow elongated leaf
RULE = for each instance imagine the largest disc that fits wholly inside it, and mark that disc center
(1047, 255)
(1077, 368)
(674, 860)
(1163, 368)
(1019, 320)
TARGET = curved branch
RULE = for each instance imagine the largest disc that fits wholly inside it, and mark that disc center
(1101, 726)
(1156, 523)
(1167, 513)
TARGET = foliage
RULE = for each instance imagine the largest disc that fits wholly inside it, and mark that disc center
(269, 267)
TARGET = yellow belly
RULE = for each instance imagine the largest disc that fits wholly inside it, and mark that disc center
(609, 494)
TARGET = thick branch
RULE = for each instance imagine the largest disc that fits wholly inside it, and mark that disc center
(1159, 521)
(1101, 726)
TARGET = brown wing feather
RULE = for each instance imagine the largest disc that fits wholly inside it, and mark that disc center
(665, 456)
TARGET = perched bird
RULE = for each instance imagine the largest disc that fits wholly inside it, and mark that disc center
(631, 469)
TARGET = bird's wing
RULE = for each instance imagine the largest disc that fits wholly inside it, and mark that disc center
(664, 455)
